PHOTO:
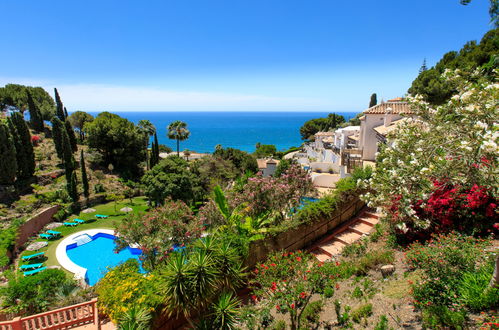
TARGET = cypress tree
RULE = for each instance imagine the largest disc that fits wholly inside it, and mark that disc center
(59, 107)
(72, 186)
(71, 135)
(65, 113)
(8, 165)
(57, 129)
(67, 151)
(374, 100)
(34, 114)
(24, 147)
(84, 178)
(155, 151)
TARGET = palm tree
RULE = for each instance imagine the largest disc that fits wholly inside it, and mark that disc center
(178, 131)
(148, 129)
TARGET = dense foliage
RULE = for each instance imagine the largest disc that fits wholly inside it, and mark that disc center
(310, 127)
(243, 161)
(265, 150)
(170, 178)
(16, 96)
(124, 288)
(436, 89)
(78, 120)
(24, 148)
(455, 276)
(33, 294)
(160, 231)
(440, 172)
(8, 165)
(34, 114)
(119, 141)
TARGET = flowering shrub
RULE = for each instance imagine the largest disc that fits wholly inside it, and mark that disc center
(35, 139)
(276, 195)
(124, 288)
(439, 171)
(159, 231)
(287, 281)
(443, 260)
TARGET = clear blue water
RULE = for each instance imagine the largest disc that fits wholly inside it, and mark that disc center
(98, 255)
(241, 130)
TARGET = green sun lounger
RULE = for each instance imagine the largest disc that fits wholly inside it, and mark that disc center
(34, 271)
(53, 232)
(101, 216)
(31, 266)
(79, 220)
(46, 236)
(70, 224)
(34, 256)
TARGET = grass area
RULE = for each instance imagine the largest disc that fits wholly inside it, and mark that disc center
(138, 204)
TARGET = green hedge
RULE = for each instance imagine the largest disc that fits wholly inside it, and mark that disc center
(346, 189)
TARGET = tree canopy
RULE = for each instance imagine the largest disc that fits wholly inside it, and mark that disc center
(16, 96)
(78, 120)
(178, 131)
(119, 141)
(170, 178)
(313, 126)
(265, 150)
(436, 90)
(242, 160)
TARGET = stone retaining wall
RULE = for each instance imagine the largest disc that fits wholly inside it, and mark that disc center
(303, 235)
(34, 225)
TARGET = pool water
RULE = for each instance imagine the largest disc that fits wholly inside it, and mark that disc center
(98, 255)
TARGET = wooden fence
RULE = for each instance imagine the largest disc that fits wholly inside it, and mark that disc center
(66, 317)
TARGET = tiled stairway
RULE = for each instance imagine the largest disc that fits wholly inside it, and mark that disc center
(332, 244)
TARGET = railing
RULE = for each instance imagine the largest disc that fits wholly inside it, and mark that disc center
(66, 317)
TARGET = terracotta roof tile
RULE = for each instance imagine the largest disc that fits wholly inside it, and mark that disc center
(396, 108)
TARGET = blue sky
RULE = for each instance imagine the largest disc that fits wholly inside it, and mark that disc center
(290, 55)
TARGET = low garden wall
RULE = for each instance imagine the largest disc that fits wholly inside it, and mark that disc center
(34, 225)
(304, 234)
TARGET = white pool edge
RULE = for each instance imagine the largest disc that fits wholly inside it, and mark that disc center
(63, 259)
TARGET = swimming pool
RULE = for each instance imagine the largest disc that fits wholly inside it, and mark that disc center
(91, 253)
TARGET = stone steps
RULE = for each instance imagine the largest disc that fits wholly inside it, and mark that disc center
(332, 244)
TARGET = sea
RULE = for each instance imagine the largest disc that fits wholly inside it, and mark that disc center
(241, 130)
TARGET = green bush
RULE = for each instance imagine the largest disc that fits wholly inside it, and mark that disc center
(361, 312)
(311, 314)
(355, 249)
(7, 239)
(475, 290)
(443, 261)
(33, 293)
(437, 317)
(279, 325)
(372, 259)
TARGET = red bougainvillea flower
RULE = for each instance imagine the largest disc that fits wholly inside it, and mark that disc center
(278, 307)
(254, 298)
(496, 226)
(337, 286)
(292, 306)
(303, 295)
(298, 258)
(274, 286)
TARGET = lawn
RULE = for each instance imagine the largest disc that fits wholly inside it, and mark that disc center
(112, 209)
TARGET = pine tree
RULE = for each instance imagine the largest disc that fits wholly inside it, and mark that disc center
(84, 178)
(34, 114)
(8, 165)
(374, 100)
(57, 129)
(24, 147)
(59, 107)
(72, 186)
(71, 135)
(423, 67)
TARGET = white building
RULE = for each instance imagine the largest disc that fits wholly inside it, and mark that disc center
(377, 122)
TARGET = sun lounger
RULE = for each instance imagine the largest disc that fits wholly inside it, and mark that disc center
(33, 272)
(46, 236)
(53, 232)
(70, 224)
(101, 216)
(34, 256)
(31, 266)
(79, 220)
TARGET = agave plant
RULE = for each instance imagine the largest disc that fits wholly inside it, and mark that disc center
(134, 319)
(225, 313)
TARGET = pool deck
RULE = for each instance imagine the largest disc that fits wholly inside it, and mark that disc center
(62, 257)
